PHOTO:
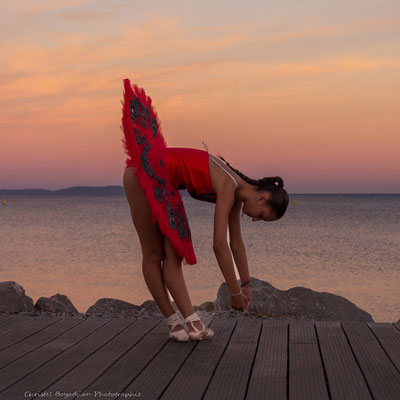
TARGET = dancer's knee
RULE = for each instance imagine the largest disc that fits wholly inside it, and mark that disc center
(153, 257)
(171, 256)
(172, 261)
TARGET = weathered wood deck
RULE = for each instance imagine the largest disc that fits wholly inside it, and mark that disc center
(246, 359)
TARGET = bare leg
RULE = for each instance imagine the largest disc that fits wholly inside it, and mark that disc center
(175, 281)
(151, 241)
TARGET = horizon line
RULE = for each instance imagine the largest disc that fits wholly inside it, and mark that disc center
(120, 186)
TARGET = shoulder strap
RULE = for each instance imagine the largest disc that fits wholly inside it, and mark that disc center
(212, 158)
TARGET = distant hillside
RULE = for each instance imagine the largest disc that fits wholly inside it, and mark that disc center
(80, 190)
(102, 190)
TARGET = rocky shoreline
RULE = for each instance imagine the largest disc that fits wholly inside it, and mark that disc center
(267, 302)
(149, 314)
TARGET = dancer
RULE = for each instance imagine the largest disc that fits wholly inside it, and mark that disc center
(153, 176)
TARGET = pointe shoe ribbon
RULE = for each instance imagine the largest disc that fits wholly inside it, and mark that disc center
(181, 335)
(204, 333)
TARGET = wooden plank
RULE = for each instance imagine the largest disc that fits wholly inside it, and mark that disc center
(23, 331)
(302, 331)
(268, 376)
(245, 359)
(232, 374)
(13, 324)
(306, 374)
(64, 362)
(156, 376)
(396, 325)
(195, 373)
(382, 377)
(389, 338)
(38, 339)
(5, 318)
(104, 358)
(344, 376)
(132, 363)
(33, 360)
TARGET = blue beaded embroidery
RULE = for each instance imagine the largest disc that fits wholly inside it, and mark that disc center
(176, 219)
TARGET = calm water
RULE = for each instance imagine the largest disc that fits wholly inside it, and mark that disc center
(86, 247)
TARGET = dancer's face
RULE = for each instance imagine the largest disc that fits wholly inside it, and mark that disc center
(256, 209)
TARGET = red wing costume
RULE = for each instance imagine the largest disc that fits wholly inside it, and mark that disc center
(145, 146)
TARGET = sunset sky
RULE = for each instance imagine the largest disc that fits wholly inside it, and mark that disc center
(306, 90)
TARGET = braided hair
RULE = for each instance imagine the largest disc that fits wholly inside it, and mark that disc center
(279, 199)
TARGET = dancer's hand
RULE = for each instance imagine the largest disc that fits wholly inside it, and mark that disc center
(246, 289)
(239, 302)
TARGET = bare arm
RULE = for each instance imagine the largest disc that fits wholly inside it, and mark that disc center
(236, 242)
(222, 251)
(239, 254)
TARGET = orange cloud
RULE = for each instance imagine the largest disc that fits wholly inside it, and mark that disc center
(79, 76)
(86, 15)
(34, 8)
(312, 29)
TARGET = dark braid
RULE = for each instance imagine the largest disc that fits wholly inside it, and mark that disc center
(274, 184)
(256, 182)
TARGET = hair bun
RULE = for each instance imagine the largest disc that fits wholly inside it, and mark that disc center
(279, 181)
(273, 180)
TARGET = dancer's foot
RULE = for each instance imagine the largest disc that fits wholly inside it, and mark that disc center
(176, 329)
(195, 324)
(197, 330)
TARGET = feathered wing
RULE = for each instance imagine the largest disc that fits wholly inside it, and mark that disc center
(145, 145)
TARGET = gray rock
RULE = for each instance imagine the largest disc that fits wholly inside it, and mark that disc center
(150, 305)
(206, 306)
(295, 302)
(13, 298)
(112, 306)
(58, 303)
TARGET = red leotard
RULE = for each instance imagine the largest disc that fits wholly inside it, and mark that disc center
(189, 170)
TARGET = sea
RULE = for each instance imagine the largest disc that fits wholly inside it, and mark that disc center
(85, 246)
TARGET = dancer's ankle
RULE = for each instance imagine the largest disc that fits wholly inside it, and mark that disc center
(174, 320)
(197, 324)
(172, 317)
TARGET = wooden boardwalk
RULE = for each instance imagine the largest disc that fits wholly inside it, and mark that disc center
(95, 357)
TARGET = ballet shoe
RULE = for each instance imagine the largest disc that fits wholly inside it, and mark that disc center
(180, 335)
(198, 334)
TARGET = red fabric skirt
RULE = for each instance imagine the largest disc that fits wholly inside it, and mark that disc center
(145, 147)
